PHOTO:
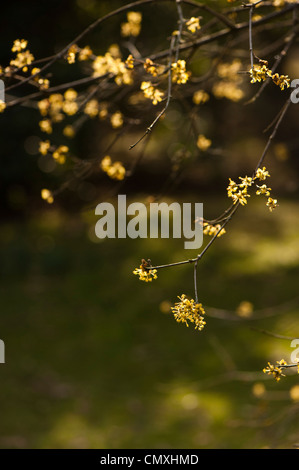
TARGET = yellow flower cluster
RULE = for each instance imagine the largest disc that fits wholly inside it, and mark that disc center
(211, 230)
(151, 92)
(130, 61)
(260, 72)
(200, 97)
(151, 68)
(43, 82)
(227, 87)
(23, 57)
(44, 147)
(203, 143)
(116, 120)
(92, 108)
(53, 107)
(133, 25)
(47, 196)
(146, 275)
(239, 191)
(60, 154)
(84, 53)
(109, 64)
(193, 24)
(114, 170)
(276, 371)
(2, 106)
(189, 311)
(179, 73)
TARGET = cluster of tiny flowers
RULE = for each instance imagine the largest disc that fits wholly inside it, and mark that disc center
(146, 275)
(179, 73)
(239, 191)
(193, 24)
(114, 170)
(200, 97)
(44, 147)
(111, 64)
(55, 107)
(60, 154)
(132, 27)
(151, 92)
(47, 196)
(152, 68)
(227, 87)
(212, 230)
(203, 143)
(276, 371)
(74, 51)
(2, 106)
(261, 72)
(116, 120)
(23, 57)
(189, 311)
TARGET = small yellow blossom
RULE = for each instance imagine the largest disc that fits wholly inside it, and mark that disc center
(114, 170)
(179, 73)
(263, 190)
(189, 311)
(294, 393)
(92, 108)
(43, 106)
(70, 94)
(44, 147)
(151, 92)
(2, 106)
(130, 61)
(85, 53)
(133, 25)
(146, 275)
(19, 45)
(71, 54)
(69, 107)
(116, 120)
(229, 71)
(193, 24)
(22, 60)
(203, 143)
(272, 203)
(200, 96)
(281, 80)
(151, 68)
(259, 73)
(46, 126)
(228, 90)
(258, 389)
(60, 154)
(109, 64)
(262, 174)
(212, 230)
(69, 131)
(236, 192)
(103, 110)
(47, 196)
(276, 371)
(244, 309)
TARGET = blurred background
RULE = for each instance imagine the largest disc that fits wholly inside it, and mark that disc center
(94, 358)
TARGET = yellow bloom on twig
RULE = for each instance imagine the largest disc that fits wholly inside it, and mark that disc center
(276, 371)
(146, 275)
(193, 24)
(189, 311)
